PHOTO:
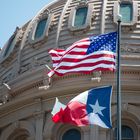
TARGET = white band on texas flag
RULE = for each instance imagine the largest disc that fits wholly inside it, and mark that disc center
(90, 107)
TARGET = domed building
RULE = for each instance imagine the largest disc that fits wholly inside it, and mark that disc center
(26, 101)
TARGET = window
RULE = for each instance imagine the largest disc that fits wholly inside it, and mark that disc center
(72, 134)
(19, 134)
(129, 11)
(127, 133)
(126, 10)
(80, 16)
(9, 47)
(40, 28)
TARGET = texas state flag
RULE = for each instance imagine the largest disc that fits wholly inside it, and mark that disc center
(90, 107)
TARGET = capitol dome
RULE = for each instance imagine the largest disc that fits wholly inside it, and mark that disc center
(27, 94)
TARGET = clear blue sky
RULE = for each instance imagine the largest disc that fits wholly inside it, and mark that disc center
(15, 13)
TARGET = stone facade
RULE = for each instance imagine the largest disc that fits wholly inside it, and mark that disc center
(25, 99)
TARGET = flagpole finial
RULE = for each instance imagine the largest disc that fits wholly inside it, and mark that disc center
(119, 17)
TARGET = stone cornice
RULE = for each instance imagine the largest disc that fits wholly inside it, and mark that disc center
(31, 81)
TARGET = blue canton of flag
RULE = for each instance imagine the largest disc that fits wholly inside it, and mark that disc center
(104, 42)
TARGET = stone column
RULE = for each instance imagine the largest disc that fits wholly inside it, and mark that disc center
(138, 132)
(30, 138)
(86, 130)
(39, 126)
(94, 132)
(102, 134)
(39, 119)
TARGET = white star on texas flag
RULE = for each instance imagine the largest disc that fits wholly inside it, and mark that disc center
(97, 108)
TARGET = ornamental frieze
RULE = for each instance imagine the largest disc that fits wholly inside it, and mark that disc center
(128, 49)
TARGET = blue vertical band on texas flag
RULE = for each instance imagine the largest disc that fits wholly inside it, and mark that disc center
(103, 97)
(90, 107)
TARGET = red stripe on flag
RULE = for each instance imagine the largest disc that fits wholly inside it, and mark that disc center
(87, 65)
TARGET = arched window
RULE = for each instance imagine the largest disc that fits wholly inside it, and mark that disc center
(71, 134)
(126, 10)
(21, 137)
(10, 46)
(80, 16)
(127, 133)
(129, 11)
(19, 134)
(40, 28)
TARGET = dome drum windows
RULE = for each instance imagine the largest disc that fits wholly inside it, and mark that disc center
(69, 132)
(127, 133)
(9, 46)
(40, 28)
(72, 134)
(80, 17)
(19, 134)
(128, 9)
(129, 129)
(8, 49)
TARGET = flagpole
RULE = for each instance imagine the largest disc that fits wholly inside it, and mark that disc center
(119, 81)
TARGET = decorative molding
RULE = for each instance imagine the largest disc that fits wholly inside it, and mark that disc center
(16, 124)
(35, 63)
(5, 98)
(38, 114)
(47, 82)
(128, 49)
(124, 106)
(10, 76)
(110, 15)
(138, 15)
(82, 3)
(34, 84)
(96, 76)
(27, 88)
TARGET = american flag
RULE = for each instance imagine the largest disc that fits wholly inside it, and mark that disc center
(96, 53)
